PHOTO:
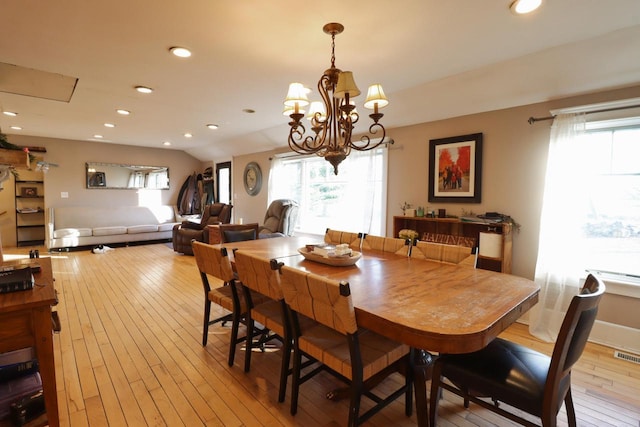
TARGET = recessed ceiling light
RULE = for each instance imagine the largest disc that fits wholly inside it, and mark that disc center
(109, 125)
(181, 52)
(9, 113)
(123, 112)
(525, 6)
(166, 143)
(144, 89)
(188, 135)
(97, 136)
(16, 128)
(212, 126)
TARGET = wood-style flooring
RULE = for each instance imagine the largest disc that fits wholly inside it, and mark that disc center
(130, 354)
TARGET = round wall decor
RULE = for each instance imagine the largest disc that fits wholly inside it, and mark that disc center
(252, 178)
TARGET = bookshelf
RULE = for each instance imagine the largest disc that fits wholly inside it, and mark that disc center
(29, 204)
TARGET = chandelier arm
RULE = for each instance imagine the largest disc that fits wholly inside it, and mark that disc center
(366, 139)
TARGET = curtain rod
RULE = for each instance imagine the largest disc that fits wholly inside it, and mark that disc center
(532, 119)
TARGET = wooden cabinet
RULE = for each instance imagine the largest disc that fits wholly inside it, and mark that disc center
(494, 241)
(29, 201)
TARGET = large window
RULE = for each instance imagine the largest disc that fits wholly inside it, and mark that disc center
(612, 223)
(353, 200)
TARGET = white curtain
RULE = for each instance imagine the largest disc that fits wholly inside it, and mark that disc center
(560, 265)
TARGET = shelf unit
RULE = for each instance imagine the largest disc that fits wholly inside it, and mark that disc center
(29, 203)
(456, 227)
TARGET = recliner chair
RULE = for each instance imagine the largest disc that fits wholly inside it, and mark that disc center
(281, 218)
(184, 233)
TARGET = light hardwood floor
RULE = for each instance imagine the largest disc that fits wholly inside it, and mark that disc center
(130, 353)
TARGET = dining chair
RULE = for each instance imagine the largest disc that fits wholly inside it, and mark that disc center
(372, 242)
(396, 245)
(451, 254)
(238, 232)
(357, 356)
(520, 377)
(263, 298)
(336, 237)
(213, 261)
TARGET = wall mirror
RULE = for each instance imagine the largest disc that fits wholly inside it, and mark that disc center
(111, 175)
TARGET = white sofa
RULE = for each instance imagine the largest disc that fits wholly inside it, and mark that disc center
(74, 226)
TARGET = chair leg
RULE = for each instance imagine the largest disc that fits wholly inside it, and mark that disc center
(235, 325)
(435, 394)
(295, 380)
(284, 369)
(571, 412)
(205, 327)
(249, 341)
(356, 390)
(408, 397)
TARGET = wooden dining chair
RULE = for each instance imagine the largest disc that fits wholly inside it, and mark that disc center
(451, 254)
(373, 242)
(506, 372)
(336, 237)
(396, 245)
(238, 232)
(213, 261)
(356, 355)
(264, 300)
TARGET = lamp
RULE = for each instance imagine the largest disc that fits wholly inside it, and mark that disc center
(332, 119)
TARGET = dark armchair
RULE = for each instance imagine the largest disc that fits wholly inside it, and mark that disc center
(184, 233)
(281, 217)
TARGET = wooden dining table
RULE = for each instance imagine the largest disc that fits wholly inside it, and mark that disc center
(429, 305)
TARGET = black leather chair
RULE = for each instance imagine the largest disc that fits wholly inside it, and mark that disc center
(519, 376)
(184, 233)
(238, 232)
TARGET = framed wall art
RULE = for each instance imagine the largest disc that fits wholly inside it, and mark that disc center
(455, 169)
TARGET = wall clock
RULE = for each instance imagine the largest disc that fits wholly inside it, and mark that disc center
(252, 178)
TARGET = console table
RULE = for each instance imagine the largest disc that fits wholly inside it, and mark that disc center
(457, 228)
(26, 321)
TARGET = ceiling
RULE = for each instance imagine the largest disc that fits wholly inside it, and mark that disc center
(434, 58)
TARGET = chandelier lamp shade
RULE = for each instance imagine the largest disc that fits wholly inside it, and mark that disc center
(332, 120)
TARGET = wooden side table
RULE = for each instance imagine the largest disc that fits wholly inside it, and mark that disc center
(26, 321)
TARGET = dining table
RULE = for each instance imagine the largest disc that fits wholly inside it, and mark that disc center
(434, 307)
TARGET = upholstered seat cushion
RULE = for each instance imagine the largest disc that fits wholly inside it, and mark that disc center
(332, 348)
(150, 228)
(513, 373)
(72, 232)
(109, 231)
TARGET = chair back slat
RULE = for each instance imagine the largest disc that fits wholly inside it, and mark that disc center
(213, 260)
(326, 301)
(257, 274)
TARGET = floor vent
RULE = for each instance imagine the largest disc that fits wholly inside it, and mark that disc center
(626, 356)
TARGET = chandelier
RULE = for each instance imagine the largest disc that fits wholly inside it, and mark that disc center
(333, 119)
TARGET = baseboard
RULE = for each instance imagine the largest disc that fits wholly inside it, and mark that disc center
(616, 336)
(609, 334)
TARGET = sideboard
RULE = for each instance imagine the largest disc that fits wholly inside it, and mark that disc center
(495, 255)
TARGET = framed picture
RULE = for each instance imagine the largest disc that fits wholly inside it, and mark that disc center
(455, 169)
(29, 191)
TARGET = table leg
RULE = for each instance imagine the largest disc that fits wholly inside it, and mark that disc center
(43, 335)
(422, 361)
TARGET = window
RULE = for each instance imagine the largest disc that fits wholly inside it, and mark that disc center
(612, 223)
(353, 200)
